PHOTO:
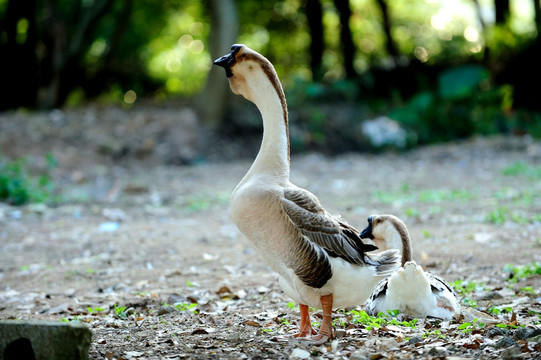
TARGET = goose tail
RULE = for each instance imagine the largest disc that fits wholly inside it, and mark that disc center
(386, 262)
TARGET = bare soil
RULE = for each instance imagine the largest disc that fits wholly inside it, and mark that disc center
(145, 253)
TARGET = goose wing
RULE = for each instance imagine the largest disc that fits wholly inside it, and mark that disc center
(377, 296)
(337, 238)
(438, 284)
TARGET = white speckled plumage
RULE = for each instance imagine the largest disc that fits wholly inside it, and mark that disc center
(410, 289)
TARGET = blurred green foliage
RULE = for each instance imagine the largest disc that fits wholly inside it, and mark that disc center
(18, 186)
(451, 79)
(178, 57)
(464, 104)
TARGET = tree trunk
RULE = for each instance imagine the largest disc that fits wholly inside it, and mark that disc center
(389, 43)
(18, 60)
(486, 50)
(348, 49)
(502, 11)
(537, 17)
(211, 103)
(314, 13)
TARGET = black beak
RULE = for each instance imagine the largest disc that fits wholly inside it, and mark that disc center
(228, 60)
(367, 232)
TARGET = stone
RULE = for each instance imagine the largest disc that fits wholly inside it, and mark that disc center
(383, 131)
(415, 340)
(360, 355)
(299, 353)
(43, 340)
(339, 333)
(523, 333)
(511, 353)
(505, 342)
(497, 331)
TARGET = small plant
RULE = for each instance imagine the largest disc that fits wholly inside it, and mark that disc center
(121, 311)
(494, 310)
(469, 302)
(507, 326)
(468, 327)
(528, 290)
(518, 272)
(94, 310)
(73, 319)
(497, 216)
(381, 319)
(412, 212)
(463, 287)
(18, 187)
(522, 169)
(186, 307)
(434, 333)
(292, 305)
(537, 314)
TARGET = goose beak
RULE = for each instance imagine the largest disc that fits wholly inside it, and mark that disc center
(367, 232)
(228, 60)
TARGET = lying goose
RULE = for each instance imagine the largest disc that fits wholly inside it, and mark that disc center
(321, 260)
(410, 289)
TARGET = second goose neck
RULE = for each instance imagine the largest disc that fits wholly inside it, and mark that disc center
(401, 240)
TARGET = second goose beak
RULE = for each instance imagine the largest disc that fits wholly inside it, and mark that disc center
(367, 232)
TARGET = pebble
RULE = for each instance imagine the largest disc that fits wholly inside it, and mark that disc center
(492, 295)
(415, 340)
(511, 353)
(108, 227)
(360, 355)
(523, 333)
(437, 351)
(299, 353)
(163, 310)
(505, 342)
(536, 332)
(233, 337)
(495, 331)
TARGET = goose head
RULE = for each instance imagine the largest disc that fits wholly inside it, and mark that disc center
(391, 231)
(248, 71)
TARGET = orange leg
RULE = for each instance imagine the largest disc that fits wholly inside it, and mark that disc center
(325, 331)
(305, 327)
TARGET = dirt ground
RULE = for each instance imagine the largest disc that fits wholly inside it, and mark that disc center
(145, 253)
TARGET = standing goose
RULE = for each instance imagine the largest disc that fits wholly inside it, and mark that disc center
(321, 260)
(410, 289)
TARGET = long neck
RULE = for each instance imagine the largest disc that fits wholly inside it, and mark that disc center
(273, 156)
(400, 239)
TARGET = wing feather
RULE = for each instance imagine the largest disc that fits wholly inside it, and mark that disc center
(439, 284)
(318, 226)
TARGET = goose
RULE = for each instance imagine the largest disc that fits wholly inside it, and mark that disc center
(410, 289)
(321, 261)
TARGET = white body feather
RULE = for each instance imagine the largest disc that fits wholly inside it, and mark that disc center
(414, 292)
(350, 285)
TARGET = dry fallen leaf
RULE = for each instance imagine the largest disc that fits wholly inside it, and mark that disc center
(251, 323)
